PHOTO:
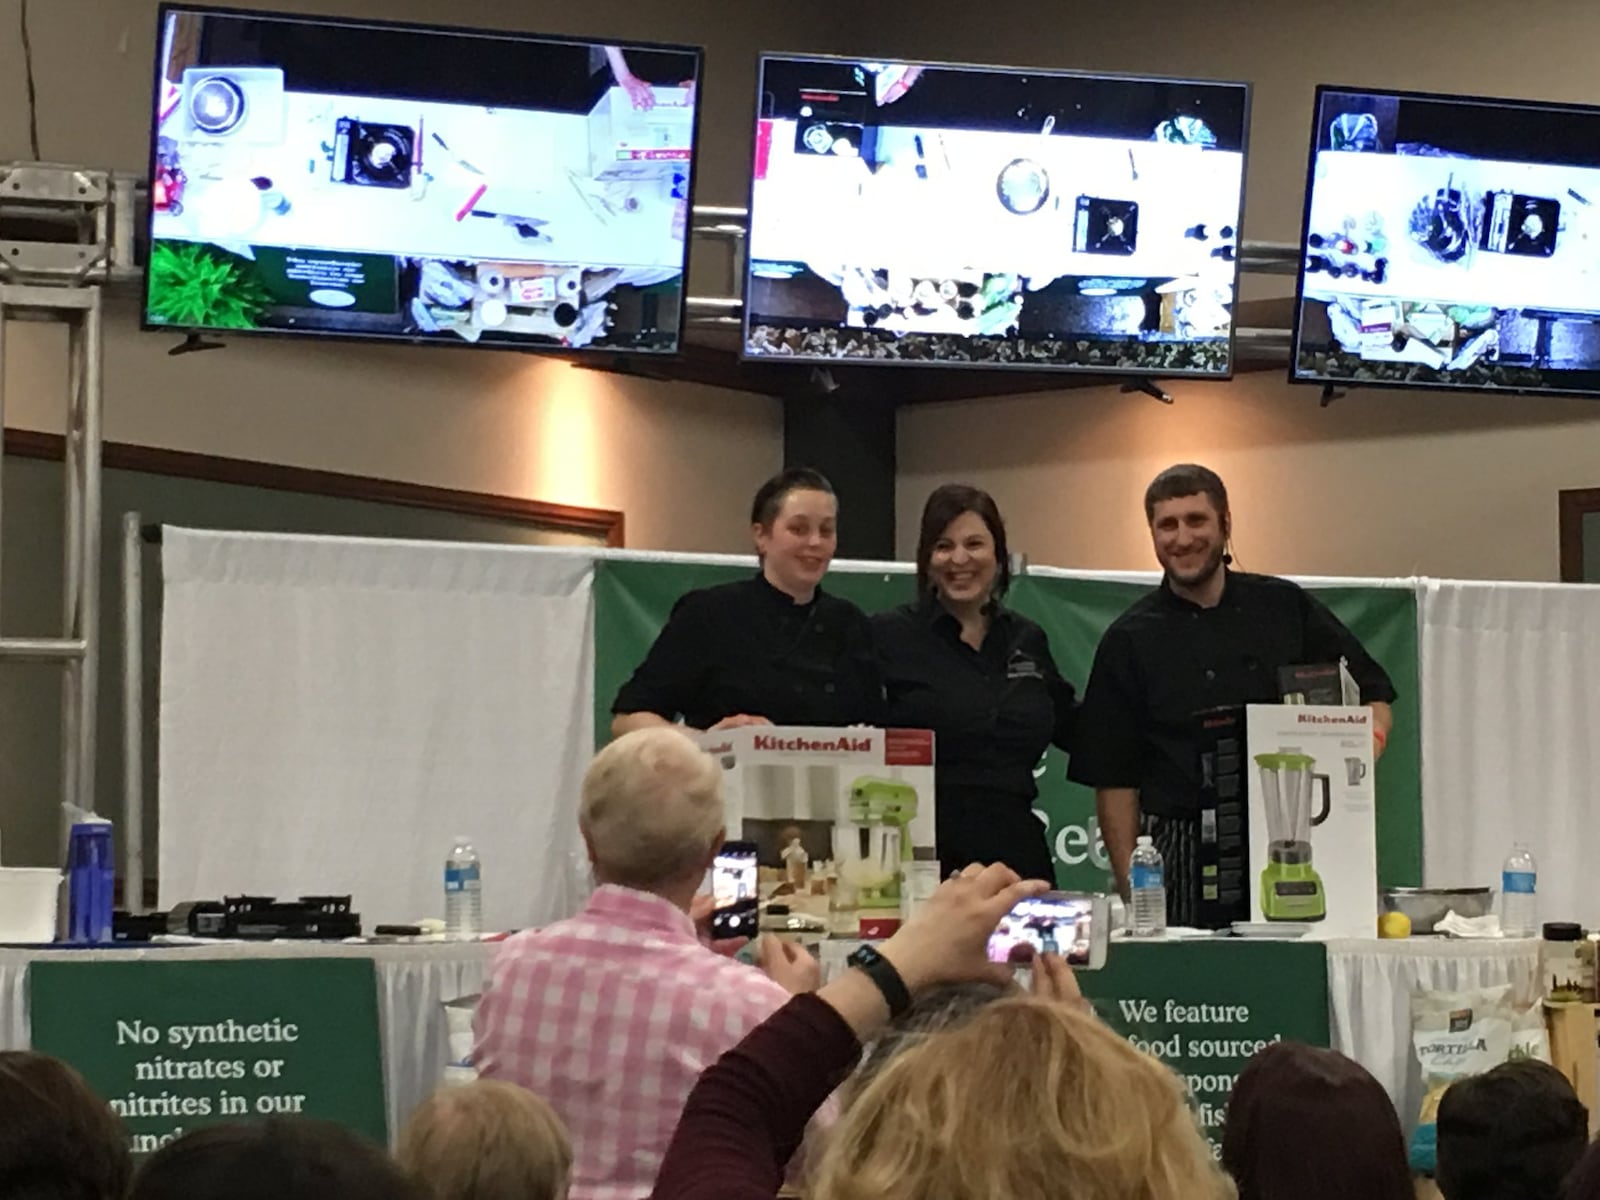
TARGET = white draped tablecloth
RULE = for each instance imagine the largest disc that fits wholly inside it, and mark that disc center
(1370, 983)
(414, 981)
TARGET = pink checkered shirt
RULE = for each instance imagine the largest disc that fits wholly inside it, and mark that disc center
(611, 1016)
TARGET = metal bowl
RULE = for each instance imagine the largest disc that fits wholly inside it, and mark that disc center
(1426, 907)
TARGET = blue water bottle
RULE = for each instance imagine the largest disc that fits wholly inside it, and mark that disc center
(91, 878)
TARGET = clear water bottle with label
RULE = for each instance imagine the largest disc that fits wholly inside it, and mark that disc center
(1519, 879)
(1149, 891)
(463, 891)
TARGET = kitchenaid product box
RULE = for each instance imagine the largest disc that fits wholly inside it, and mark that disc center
(1313, 833)
(858, 798)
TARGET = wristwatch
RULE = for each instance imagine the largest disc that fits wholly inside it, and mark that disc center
(881, 971)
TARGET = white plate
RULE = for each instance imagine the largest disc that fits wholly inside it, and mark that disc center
(1272, 929)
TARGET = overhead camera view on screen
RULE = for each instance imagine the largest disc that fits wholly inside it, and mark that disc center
(929, 214)
(1452, 243)
(402, 182)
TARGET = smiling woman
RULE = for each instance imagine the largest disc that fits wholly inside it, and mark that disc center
(771, 650)
(982, 677)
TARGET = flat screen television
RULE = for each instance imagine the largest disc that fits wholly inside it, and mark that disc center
(930, 214)
(1450, 242)
(376, 180)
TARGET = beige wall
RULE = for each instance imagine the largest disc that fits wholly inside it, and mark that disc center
(680, 460)
(1382, 482)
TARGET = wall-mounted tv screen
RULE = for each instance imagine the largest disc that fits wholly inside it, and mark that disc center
(925, 214)
(376, 180)
(1451, 242)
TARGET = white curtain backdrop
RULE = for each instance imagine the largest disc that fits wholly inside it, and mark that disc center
(1511, 737)
(333, 711)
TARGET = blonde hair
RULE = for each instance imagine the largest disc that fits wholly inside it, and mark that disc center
(487, 1140)
(651, 809)
(1026, 1097)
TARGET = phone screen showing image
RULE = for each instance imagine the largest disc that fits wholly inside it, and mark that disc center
(734, 889)
(1072, 926)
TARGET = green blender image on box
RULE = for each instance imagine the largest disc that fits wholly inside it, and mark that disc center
(872, 846)
(1291, 889)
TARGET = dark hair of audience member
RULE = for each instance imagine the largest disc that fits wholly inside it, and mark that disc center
(1310, 1124)
(58, 1140)
(1513, 1133)
(276, 1159)
(1583, 1181)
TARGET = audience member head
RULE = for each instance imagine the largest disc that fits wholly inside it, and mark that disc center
(1311, 1124)
(1513, 1133)
(941, 1007)
(1583, 1183)
(489, 1140)
(1025, 1097)
(58, 1140)
(272, 1160)
(651, 812)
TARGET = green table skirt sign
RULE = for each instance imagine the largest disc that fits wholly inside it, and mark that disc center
(173, 1046)
(1204, 1007)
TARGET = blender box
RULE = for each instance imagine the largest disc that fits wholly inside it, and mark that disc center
(859, 798)
(1313, 841)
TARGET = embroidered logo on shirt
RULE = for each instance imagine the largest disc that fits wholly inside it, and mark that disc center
(1022, 667)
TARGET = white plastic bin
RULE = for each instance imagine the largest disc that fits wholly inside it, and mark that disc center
(28, 899)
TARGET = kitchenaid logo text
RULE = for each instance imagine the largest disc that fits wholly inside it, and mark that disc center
(843, 745)
(1313, 719)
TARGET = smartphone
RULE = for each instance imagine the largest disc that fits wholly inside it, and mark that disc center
(733, 888)
(1074, 925)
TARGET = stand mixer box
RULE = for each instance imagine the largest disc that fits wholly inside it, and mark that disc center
(860, 797)
(1313, 832)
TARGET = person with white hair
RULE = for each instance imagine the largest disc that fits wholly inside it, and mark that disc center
(613, 1014)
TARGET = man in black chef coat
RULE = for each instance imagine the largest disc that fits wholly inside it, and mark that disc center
(1208, 637)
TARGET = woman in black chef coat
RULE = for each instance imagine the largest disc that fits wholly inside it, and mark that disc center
(960, 663)
(774, 649)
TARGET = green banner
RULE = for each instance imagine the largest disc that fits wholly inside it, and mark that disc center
(633, 599)
(1204, 1007)
(176, 1045)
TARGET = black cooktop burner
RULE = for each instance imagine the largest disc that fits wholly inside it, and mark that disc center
(372, 154)
(1105, 226)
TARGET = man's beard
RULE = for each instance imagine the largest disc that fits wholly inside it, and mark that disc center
(1205, 574)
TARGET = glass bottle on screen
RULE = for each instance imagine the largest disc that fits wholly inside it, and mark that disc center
(1148, 876)
(1519, 879)
(463, 891)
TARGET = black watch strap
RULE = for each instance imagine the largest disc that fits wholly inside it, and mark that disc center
(882, 973)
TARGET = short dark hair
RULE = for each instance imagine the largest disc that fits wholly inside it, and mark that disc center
(1513, 1133)
(1185, 479)
(58, 1141)
(1583, 1182)
(267, 1160)
(945, 504)
(771, 495)
(1275, 1142)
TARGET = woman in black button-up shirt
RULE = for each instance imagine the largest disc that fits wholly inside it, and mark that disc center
(960, 663)
(772, 649)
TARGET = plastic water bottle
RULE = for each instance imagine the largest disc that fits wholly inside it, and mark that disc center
(463, 891)
(1149, 879)
(1519, 878)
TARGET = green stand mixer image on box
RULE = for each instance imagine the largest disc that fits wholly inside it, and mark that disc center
(871, 847)
(1291, 889)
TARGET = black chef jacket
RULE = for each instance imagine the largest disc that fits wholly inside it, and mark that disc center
(1166, 659)
(993, 713)
(747, 647)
